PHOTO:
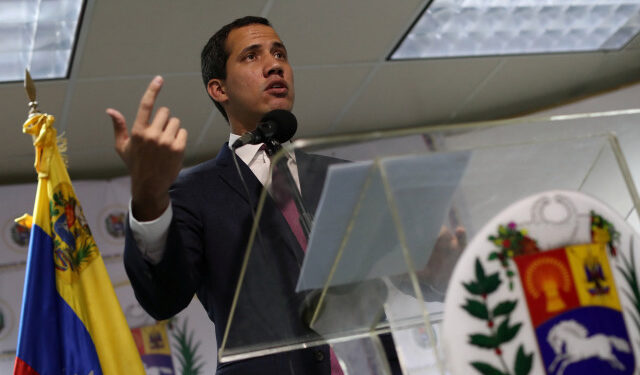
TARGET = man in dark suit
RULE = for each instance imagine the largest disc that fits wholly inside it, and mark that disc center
(190, 235)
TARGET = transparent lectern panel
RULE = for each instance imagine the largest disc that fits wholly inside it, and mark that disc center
(386, 217)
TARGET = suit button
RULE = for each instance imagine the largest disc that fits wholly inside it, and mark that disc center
(319, 355)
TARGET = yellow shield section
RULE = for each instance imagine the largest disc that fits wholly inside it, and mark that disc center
(592, 275)
(155, 339)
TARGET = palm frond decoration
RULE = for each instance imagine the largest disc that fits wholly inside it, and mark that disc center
(628, 270)
(187, 350)
(83, 252)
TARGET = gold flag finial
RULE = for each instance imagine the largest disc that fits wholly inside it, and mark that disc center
(31, 93)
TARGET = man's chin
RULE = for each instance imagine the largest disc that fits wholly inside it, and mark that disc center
(281, 103)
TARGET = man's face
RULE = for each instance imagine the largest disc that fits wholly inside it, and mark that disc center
(259, 77)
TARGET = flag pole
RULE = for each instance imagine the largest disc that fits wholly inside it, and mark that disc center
(30, 88)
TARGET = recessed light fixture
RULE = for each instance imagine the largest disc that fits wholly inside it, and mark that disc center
(39, 35)
(453, 28)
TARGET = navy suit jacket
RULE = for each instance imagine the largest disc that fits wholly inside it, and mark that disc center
(207, 239)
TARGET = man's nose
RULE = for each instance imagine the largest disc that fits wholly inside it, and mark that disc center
(274, 67)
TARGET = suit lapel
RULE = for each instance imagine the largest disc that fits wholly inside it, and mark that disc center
(229, 175)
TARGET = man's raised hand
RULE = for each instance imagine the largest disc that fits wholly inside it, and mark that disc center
(153, 153)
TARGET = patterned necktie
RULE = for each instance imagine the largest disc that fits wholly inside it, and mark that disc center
(282, 195)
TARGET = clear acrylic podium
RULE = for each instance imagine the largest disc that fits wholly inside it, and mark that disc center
(380, 251)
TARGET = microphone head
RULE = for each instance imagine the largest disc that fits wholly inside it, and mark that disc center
(284, 124)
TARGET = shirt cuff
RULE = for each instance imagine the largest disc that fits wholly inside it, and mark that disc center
(151, 236)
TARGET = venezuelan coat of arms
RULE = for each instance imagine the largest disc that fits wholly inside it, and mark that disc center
(549, 286)
(74, 247)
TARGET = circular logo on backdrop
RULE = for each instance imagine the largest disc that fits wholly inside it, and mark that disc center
(549, 285)
(7, 320)
(112, 222)
(16, 236)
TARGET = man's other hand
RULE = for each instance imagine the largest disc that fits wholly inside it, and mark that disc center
(443, 259)
(153, 153)
(451, 242)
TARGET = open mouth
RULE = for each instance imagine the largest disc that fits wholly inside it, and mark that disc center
(277, 88)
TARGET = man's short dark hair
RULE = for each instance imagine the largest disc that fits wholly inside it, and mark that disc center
(214, 56)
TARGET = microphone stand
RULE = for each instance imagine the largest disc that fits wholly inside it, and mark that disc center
(272, 147)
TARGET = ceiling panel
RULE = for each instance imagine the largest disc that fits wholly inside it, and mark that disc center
(13, 102)
(153, 36)
(18, 168)
(524, 83)
(206, 143)
(415, 93)
(634, 43)
(94, 162)
(334, 31)
(321, 93)
(623, 66)
(89, 127)
(620, 99)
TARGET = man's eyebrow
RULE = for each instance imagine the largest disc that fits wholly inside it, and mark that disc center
(278, 45)
(257, 47)
(253, 47)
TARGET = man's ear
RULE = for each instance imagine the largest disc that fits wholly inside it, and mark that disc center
(217, 91)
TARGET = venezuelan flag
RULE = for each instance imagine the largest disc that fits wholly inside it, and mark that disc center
(71, 322)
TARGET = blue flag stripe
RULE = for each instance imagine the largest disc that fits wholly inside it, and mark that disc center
(66, 348)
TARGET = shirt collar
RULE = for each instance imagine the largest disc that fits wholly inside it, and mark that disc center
(247, 152)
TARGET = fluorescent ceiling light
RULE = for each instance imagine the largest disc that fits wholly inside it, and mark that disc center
(449, 28)
(38, 35)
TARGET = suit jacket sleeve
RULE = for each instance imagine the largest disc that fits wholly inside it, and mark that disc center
(166, 288)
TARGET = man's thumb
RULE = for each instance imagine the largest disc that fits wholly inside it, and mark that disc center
(119, 130)
(119, 123)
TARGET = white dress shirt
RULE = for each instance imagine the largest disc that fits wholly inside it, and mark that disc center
(151, 236)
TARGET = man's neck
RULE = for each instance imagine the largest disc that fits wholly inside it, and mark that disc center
(240, 127)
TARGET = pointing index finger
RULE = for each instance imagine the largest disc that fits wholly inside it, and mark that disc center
(147, 101)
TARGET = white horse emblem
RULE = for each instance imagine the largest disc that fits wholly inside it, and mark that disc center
(572, 337)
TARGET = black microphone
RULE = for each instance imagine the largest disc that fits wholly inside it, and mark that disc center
(279, 125)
